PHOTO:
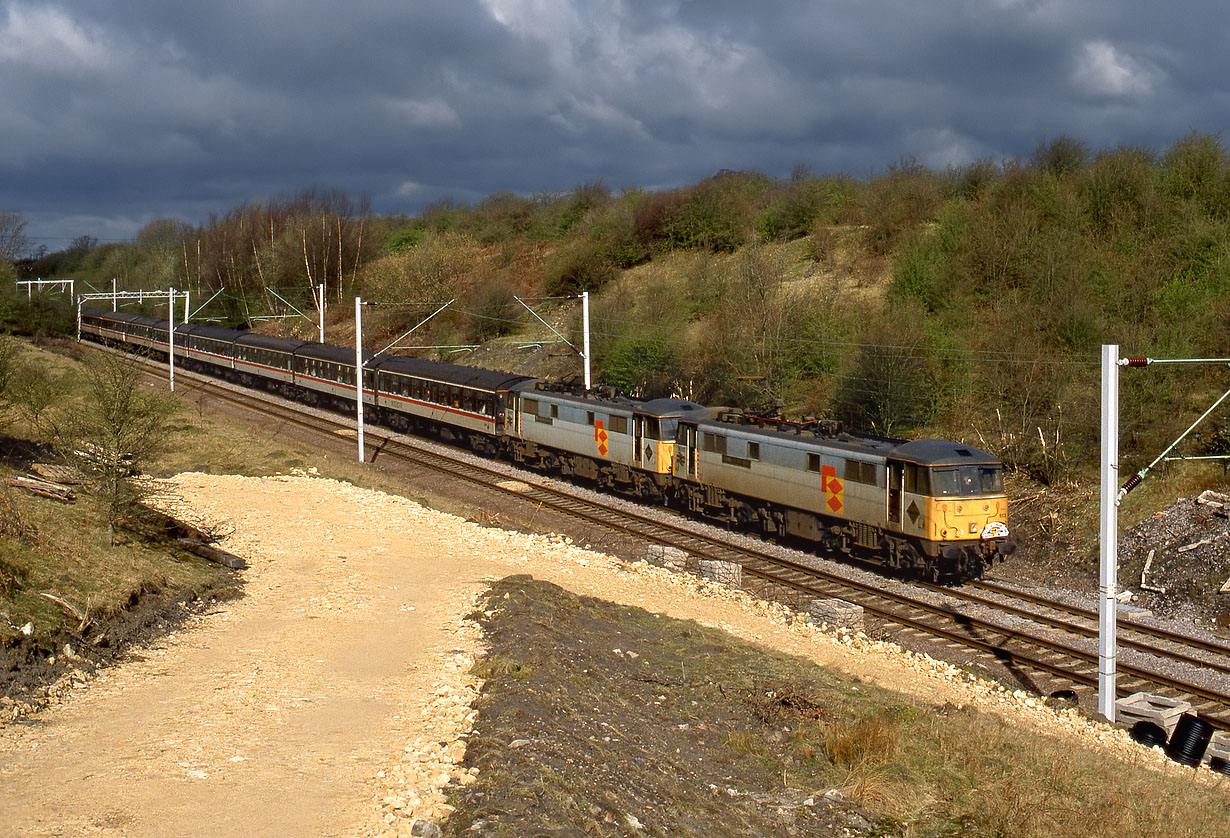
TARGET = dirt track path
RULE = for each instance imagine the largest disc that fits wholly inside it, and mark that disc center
(273, 715)
(330, 699)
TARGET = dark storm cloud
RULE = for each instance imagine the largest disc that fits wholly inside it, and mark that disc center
(118, 111)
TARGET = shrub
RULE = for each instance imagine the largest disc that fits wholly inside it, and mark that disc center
(579, 265)
(493, 310)
(440, 266)
(585, 199)
(501, 216)
(644, 365)
(896, 203)
(404, 240)
(890, 389)
(1120, 190)
(712, 215)
(613, 229)
(653, 214)
(793, 210)
(1061, 156)
(921, 273)
(1193, 169)
(971, 180)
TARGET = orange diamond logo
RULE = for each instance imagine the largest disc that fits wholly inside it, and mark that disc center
(600, 436)
(832, 487)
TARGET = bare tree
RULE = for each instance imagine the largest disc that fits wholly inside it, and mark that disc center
(116, 431)
(13, 239)
(13, 243)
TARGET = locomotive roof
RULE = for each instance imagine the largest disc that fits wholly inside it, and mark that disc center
(942, 452)
(672, 407)
(532, 388)
(928, 452)
(476, 377)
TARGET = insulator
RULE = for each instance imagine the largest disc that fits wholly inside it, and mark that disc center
(1136, 362)
(1132, 483)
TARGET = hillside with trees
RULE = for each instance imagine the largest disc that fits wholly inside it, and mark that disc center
(968, 303)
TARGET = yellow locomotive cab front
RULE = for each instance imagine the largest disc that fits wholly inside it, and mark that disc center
(967, 518)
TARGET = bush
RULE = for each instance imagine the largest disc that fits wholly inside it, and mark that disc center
(585, 200)
(643, 365)
(404, 240)
(793, 210)
(1061, 156)
(493, 311)
(613, 230)
(38, 316)
(115, 432)
(579, 265)
(437, 269)
(921, 273)
(712, 215)
(653, 213)
(890, 390)
(896, 203)
(1120, 190)
(1193, 169)
(971, 180)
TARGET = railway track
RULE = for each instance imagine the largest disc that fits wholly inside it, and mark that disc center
(1033, 636)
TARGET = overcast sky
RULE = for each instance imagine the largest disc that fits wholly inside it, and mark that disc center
(115, 112)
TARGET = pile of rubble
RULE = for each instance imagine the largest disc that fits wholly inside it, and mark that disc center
(1179, 560)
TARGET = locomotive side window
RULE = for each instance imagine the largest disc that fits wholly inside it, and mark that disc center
(714, 443)
(916, 479)
(813, 462)
(753, 450)
(860, 472)
(530, 406)
(589, 418)
(619, 425)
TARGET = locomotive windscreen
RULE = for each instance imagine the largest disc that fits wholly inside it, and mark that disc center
(967, 480)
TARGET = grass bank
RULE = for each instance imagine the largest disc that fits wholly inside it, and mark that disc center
(602, 719)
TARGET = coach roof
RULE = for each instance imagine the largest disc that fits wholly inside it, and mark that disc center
(476, 377)
(268, 342)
